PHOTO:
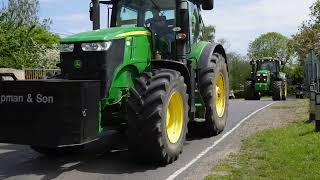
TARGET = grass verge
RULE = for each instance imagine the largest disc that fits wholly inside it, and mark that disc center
(285, 153)
(303, 104)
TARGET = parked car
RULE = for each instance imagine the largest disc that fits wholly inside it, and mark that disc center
(231, 95)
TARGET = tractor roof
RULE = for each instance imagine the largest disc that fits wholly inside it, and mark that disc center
(268, 59)
(164, 4)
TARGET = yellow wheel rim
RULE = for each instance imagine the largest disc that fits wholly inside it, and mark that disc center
(285, 89)
(220, 95)
(175, 117)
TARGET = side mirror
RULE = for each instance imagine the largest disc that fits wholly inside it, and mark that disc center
(207, 4)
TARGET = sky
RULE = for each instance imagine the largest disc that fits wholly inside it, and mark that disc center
(237, 21)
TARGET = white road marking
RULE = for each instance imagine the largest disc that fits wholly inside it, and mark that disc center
(181, 170)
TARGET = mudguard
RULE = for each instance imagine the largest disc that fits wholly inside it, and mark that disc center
(208, 51)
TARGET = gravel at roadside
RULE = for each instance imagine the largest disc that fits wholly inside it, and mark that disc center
(278, 115)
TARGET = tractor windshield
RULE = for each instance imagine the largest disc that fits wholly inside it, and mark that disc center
(271, 66)
(157, 14)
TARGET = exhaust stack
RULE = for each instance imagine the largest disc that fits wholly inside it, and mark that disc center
(95, 14)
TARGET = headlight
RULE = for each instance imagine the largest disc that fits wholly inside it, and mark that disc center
(98, 46)
(66, 47)
(258, 74)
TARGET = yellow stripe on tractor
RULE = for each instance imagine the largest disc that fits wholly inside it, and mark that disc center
(135, 33)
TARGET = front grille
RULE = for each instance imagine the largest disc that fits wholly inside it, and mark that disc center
(261, 79)
(99, 65)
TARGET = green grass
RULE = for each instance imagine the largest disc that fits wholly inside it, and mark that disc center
(304, 104)
(285, 153)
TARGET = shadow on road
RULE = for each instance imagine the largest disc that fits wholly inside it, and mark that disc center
(99, 157)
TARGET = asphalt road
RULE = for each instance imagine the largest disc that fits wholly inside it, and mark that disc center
(110, 159)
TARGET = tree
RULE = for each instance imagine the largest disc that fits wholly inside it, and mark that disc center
(22, 12)
(295, 72)
(308, 36)
(271, 44)
(239, 70)
(315, 12)
(209, 33)
(24, 40)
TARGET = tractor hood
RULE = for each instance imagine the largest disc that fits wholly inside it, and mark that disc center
(106, 34)
(263, 72)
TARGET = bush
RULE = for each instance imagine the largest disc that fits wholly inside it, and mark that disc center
(239, 94)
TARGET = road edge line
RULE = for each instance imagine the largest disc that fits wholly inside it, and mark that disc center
(181, 170)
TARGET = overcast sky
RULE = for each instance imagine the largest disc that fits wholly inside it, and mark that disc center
(241, 21)
(238, 21)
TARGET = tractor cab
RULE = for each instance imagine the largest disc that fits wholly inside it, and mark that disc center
(158, 17)
(174, 26)
(266, 79)
(268, 65)
(265, 68)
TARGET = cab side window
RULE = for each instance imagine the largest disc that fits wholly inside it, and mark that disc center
(127, 17)
(195, 23)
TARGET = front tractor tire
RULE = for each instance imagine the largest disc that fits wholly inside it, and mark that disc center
(214, 90)
(249, 93)
(277, 91)
(158, 116)
(248, 90)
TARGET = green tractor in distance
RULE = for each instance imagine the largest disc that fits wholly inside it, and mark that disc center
(155, 77)
(266, 79)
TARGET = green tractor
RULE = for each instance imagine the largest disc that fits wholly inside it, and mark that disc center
(149, 75)
(266, 80)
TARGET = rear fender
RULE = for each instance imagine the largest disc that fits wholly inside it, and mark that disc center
(175, 65)
(189, 77)
(207, 52)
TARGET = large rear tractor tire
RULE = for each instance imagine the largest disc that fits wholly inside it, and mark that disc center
(277, 90)
(58, 151)
(249, 93)
(214, 90)
(158, 116)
